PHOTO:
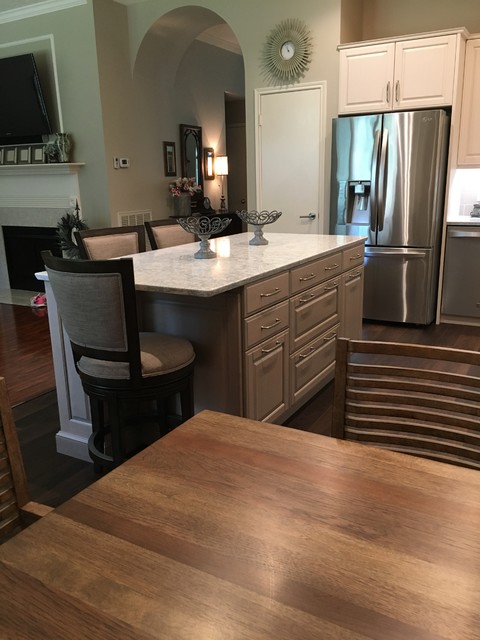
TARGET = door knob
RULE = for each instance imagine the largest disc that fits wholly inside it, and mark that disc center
(311, 216)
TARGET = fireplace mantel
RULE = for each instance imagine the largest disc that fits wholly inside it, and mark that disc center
(48, 186)
(40, 169)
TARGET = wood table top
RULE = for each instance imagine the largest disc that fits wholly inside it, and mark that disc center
(231, 529)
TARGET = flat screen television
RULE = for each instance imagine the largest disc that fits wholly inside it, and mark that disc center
(23, 114)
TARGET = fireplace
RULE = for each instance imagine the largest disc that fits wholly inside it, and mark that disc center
(23, 247)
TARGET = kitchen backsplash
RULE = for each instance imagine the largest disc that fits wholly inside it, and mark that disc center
(465, 192)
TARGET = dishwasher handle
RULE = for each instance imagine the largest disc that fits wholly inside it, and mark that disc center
(464, 233)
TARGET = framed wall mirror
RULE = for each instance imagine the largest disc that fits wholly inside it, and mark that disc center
(191, 152)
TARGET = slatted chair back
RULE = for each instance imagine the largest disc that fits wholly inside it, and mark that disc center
(415, 399)
(16, 508)
(167, 233)
(110, 242)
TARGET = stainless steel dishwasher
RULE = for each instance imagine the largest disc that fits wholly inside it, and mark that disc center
(461, 280)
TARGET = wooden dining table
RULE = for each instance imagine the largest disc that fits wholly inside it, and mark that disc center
(231, 529)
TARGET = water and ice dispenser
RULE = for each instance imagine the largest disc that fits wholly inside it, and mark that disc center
(358, 202)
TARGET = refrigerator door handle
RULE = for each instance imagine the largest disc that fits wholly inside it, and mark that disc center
(406, 253)
(381, 180)
(373, 189)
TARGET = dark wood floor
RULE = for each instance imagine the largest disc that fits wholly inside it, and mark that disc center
(26, 364)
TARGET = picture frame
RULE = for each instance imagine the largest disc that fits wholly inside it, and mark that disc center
(37, 154)
(23, 155)
(10, 155)
(169, 158)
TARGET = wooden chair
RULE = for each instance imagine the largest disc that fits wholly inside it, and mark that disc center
(16, 507)
(111, 242)
(167, 233)
(404, 397)
(122, 370)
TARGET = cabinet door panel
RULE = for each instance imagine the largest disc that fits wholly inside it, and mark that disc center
(366, 78)
(266, 370)
(424, 72)
(352, 304)
(469, 144)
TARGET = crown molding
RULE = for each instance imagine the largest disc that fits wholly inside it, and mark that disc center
(38, 9)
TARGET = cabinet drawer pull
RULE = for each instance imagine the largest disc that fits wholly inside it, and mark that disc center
(388, 92)
(356, 257)
(277, 343)
(310, 277)
(305, 355)
(268, 295)
(304, 300)
(334, 266)
(270, 326)
(329, 338)
(351, 276)
(397, 91)
(332, 287)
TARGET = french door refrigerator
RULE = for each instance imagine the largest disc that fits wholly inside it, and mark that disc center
(388, 184)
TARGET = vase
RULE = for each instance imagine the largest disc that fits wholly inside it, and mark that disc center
(63, 146)
(182, 205)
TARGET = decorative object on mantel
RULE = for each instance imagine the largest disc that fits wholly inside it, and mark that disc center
(182, 190)
(287, 52)
(204, 227)
(69, 223)
(57, 147)
(257, 220)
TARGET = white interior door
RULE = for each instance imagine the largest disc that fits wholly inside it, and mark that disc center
(290, 144)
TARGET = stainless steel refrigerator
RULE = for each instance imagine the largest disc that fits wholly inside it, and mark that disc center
(388, 184)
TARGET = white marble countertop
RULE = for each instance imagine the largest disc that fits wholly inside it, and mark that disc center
(175, 270)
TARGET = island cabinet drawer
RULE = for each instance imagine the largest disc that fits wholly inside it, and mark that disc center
(308, 275)
(265, 324)
(313, 365)
(353, 257)
(313, 312)
(259, 295)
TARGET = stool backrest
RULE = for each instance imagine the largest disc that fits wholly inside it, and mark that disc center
(167, 233)
(416, 399)
(111, 242)
(97, 305)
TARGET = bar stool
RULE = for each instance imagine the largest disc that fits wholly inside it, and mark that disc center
(121, 369)
(110, 242)
(166, 233)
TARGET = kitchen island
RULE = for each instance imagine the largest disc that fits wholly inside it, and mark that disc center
(262, 319)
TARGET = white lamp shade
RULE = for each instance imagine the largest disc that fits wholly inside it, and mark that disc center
(221, 165)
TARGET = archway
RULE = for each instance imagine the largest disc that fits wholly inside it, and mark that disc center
(188, 61)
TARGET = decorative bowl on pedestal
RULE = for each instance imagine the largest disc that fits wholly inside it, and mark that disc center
(257, 219)
(204, 227)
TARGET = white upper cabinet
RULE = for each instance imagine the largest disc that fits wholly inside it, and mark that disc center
(406, 74)
(469, 144)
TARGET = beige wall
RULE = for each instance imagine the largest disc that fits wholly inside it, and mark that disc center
(132, 97)
(73, 49)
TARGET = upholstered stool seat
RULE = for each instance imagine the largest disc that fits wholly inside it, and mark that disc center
(131, 378)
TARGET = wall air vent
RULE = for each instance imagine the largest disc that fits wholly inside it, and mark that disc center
(128, 218)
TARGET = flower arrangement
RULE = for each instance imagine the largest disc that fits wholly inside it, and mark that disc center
(184, 185)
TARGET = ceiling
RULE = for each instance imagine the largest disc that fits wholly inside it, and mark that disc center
(220, 35)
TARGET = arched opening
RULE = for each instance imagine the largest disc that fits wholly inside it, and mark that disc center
(189, 70)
